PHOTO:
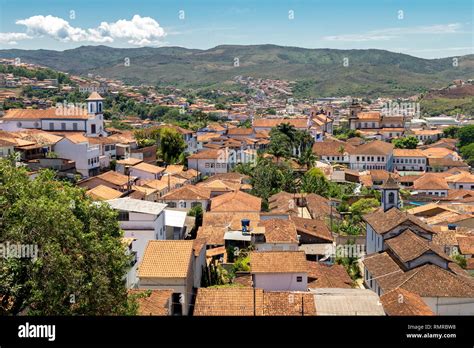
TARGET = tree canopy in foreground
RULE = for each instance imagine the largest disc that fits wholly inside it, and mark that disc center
(80, 264)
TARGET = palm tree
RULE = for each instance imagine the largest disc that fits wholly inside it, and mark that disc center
(307, 158)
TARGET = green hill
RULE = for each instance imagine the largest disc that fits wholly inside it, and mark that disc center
(317, 72)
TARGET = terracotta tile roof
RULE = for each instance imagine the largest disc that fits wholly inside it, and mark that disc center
(188, 192)
(285, 303)
(369, 115)
(447, 162)
(149, 168)
(198, 244)
(103, 193)
(77, 138)
(382, 267)
(236, 201)
(466, 245)
(173, 180)
(231, 219)
(408, 153)
(332, 148)
(313, 227)
(402, 302)
(158, 302)
(431, 181)
(470, 263)
(231, 176)
(273, 122)
(174, 169)
(155, 184)
(375, 147)
(95, 96)
(220, 185)
(166, 259)
(245, 301)
(278, 262)
(279, 231)
(426, 131)
(420, 281)
(461, 178)
(7, 143)
(189, 174)
(130, 161)
(408, 246)
(214, 235)
(328, 276)
(52, 113)
(207, 154)
(383, 222)
(318, 206)
(232, 301)
(438, 152)
(240, 131)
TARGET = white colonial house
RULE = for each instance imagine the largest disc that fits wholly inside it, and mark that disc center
(372, 155)
(77, 148)
(279, 270)
(409, 160)
(141, 220)
(88, 119)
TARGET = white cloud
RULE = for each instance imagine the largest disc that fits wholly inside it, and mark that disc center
(140, 31)
(392, 33)
(12, 38)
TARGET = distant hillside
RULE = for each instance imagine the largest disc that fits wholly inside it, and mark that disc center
(318, 72)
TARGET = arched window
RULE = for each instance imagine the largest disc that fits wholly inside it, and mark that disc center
(391, 198)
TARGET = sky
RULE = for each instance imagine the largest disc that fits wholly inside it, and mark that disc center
(422, 28)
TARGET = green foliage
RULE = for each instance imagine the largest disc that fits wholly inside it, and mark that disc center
(40, 73)
(242, 264)
(448, 106)
(245, 124)
(460, 260)
(80, 253)
(362, 207)
(451, 132)
(466, 135)
(172, 145)
(467, 152)
(409, 142)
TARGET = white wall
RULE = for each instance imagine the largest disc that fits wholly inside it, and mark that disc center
(280, 281)
(277, 246)
(450, 305)
(80, 153)
(410, 163)
(207, 166)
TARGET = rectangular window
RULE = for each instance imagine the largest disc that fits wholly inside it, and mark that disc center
(93, 130)
(51, 126)
(123, 216)
(63, 126)
(299, 279)
(74, 126)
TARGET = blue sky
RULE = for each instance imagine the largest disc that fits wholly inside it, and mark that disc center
(424, 28)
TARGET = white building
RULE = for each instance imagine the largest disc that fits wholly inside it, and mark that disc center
(76, 147)
(88, 119)
(279, 270)
(409, 160)
(372, 155)
(142, 220)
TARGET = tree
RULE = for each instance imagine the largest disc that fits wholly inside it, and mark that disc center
(80, 262)
(363, 206)
(451, 132)
(280, 145)
(314, 181)
(307, 158)
(172, 145)
(466, 135)
(467, 152)
(409, 142)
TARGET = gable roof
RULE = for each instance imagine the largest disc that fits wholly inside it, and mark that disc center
(279, 231)
(157, 303)
(103, 193)
(166, 259)
(383, 222)
(403, 302)
(273, 122)
(376, 147)
(328, 276)
(236, 201)
(431, 181)
(149, 168)
(278, 262)
(51, 113)
(408, 246)
(313, 227)
(188, 192)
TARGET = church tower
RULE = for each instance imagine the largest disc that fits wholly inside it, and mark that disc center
(390, 194)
